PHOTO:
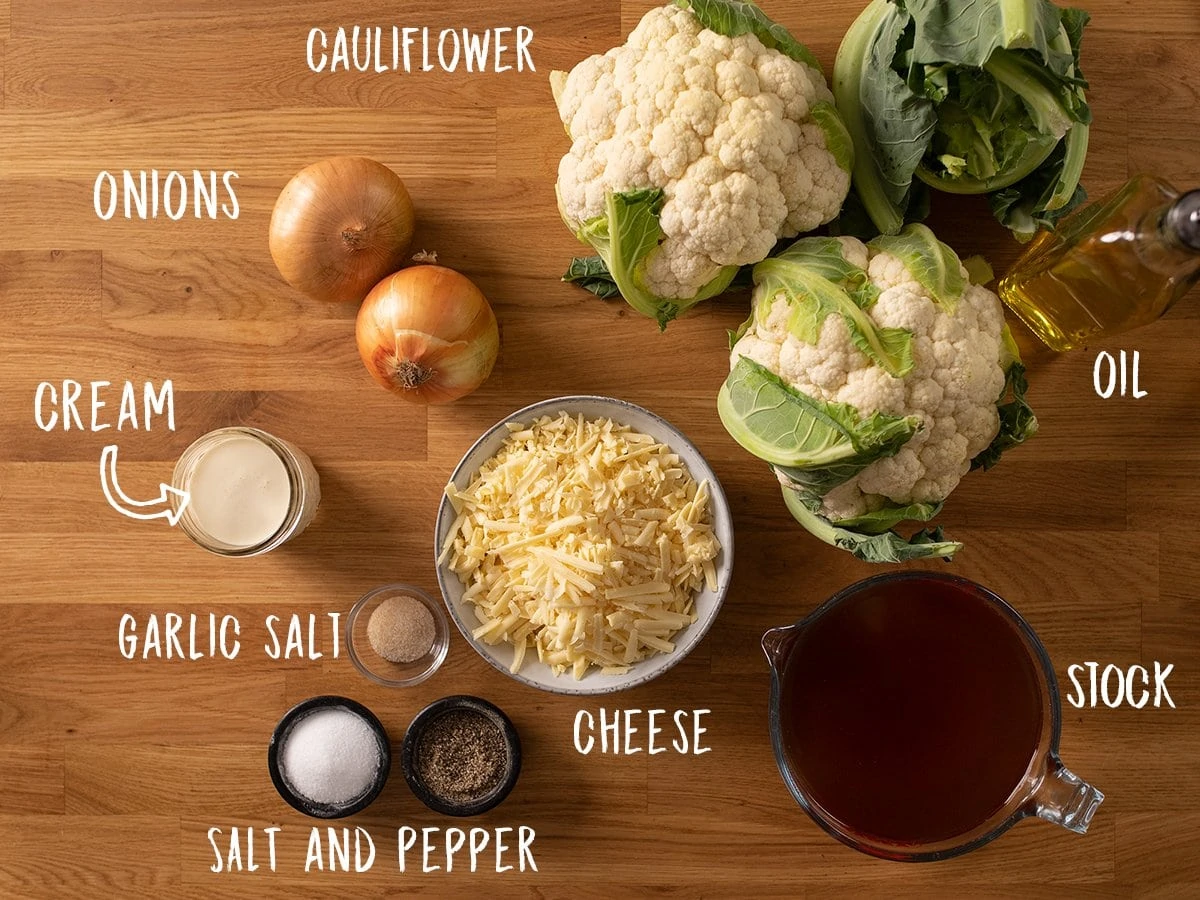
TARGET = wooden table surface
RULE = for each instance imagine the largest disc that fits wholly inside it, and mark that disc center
(113, 771)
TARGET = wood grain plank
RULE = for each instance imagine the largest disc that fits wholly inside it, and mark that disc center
(597, 359)
(204, 285)
(34, 778)
(56, 856)
(216, 285)
(268, 58)
(357, 497)
(979, 890)
(530, 142)
(313, 570)
(1156, 852)
(252, 355)
(479, 226)
(1161, 58)
(1041, 573)
(1167, 19)
(94, 711)
(113, 770)
(1021, 493)
(56, 211)
(293, 415)
(1158, 493)
(1163, 892)
(1171, 622)
(226, 776)
(1132, 756)
(83, 142)
(50, 286)
(1078, 423)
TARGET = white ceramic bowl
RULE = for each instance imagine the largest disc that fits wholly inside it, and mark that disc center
(535, 673)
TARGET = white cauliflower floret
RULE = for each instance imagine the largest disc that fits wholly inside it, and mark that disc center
(854, 251)
(952, 388)
(905, 306)
(825, 365)
(722, 125)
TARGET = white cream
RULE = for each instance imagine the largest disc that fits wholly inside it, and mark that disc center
(240, 492)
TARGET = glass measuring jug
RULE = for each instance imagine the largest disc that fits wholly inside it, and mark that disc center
(915, 716)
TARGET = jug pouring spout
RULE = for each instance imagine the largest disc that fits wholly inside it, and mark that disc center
(776, 643)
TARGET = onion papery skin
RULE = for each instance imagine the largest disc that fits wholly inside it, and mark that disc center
(339, 226)
(428, 334)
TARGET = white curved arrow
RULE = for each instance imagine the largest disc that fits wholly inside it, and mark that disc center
(126, 505)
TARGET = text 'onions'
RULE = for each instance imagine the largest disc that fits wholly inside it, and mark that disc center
(428, 334)
(339, 226)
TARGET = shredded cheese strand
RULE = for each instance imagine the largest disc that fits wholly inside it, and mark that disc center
(584, 541)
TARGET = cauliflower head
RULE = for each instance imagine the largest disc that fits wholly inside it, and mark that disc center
(728, 143)
(873, 377)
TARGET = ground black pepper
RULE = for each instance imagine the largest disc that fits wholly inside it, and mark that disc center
(461, 755)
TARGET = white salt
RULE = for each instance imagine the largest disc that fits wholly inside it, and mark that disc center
(330, 756)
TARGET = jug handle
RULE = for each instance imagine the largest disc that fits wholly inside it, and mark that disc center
(1065, 799)
(775, 644)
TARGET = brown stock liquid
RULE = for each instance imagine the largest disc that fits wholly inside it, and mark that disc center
(911, 711)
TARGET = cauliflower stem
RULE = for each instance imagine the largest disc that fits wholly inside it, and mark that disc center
(627, 239)
(887, 547)
(888, 517)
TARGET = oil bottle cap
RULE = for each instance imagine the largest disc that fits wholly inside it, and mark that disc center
(1183, 219)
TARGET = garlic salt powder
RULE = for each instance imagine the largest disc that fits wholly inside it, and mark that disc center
(583, 540)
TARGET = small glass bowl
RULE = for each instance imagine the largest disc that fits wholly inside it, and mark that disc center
(384, 671)
(312, 807)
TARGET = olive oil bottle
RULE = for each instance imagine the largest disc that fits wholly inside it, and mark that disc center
(1111, 266)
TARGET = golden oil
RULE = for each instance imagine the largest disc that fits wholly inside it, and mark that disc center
(1111, 266)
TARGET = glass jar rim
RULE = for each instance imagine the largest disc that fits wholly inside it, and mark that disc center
(184, 471)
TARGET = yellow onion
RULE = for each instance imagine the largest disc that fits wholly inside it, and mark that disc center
(339, 226)
(428, 334)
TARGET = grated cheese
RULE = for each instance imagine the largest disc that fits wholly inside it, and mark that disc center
(584, 541)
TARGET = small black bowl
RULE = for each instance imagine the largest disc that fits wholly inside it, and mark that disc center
(425, 718)
(326, 810)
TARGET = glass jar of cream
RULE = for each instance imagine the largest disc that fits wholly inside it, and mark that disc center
(249, 491)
